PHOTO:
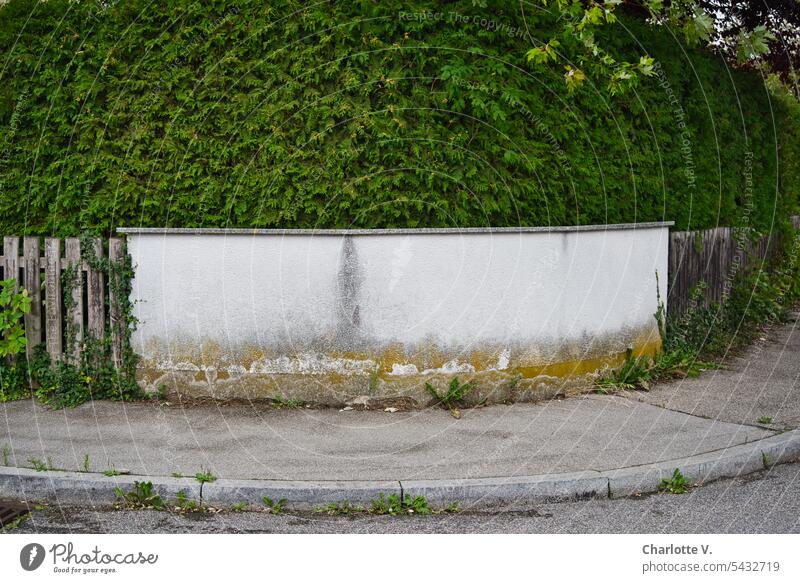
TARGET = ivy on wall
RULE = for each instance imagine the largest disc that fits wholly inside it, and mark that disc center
(366, 114)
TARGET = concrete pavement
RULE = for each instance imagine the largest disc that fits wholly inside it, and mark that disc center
(582, 433)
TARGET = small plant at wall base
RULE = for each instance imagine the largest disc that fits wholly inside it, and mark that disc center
(453, 397)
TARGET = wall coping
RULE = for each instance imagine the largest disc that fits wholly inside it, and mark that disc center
(423, 231)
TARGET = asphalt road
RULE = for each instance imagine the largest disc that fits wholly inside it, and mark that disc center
(765, 502)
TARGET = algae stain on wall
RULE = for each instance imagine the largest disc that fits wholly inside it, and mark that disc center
(349, 280)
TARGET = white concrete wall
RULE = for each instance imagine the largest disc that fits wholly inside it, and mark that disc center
(329, 303)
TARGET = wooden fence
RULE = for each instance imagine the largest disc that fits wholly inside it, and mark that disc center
(715, 257)
(93, 309)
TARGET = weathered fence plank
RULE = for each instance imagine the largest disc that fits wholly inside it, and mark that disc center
(32, 282)
(75, 313)
(96, 294)
(52, 292)
(11, 258)
(116, 255)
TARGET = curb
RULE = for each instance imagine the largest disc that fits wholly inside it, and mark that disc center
(705, 467)
(97, 490)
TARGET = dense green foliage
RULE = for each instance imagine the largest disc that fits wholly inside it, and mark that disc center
(345, 114)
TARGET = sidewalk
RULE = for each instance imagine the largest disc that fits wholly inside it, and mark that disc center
(562, 448)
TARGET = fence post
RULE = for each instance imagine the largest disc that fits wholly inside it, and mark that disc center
(11, 255)
(75, 315)
(52, 293)
(96, 294)
(116, 255)
(32, 282)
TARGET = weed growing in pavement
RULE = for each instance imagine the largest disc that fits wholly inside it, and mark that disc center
(183, 503)
(394, 505)
(176, 475)
(677, 484)
(453, 397)
(143, 495)
(272, 506)
(391, 505)
(86, 462)
(38, 464)
(239, 507)
(111, 472)
(204, 477)
(280, 403)
(766, 461)
(765, 420)
(16, 523)
(6, 453)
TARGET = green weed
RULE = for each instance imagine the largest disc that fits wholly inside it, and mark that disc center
(143, 495)
(272, 506)
(184, 503)
(453, 397)
(280, 403)
(205, 476)
(394, 504)
(16, 523)
(677, 484)
(391, 505)
(38, 464)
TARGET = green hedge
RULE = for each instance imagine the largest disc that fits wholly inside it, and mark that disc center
(348, 114)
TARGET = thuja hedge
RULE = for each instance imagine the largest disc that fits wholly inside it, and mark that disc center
(366, 114)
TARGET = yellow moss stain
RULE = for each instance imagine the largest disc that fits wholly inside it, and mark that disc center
(571, 368)
(483, 360)
(210, 353)
(250, 355)
(391, 355)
